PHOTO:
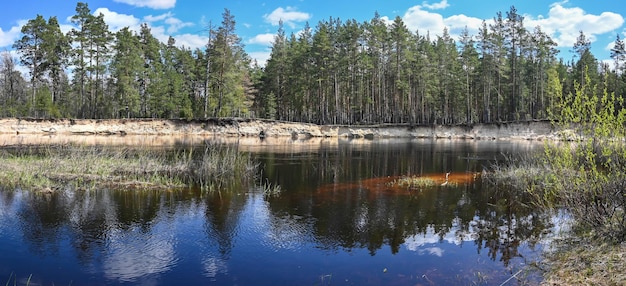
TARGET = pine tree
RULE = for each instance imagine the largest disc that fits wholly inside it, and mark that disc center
(229, 65)
(321, 49)
(400, 36)
(469, 60)
(376, 41)
(173, 102)
(99, 55)
(80, 39)
(497, 41)
(56, 48)
(514, 29)
(30, 47)
(618, 54)
(126, 69)
(586, 61)
(271, 103)
(186, 67)
(150, 89)
(448, 70)
(485, 48)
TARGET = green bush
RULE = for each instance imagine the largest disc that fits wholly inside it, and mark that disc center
(584, 174)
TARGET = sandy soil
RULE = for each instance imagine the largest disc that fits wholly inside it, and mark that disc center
(232, 127)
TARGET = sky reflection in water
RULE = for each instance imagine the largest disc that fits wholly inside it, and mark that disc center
(313, 233)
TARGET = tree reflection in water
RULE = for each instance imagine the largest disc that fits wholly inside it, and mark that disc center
(333, 200)
(354, 216)
(349, 193)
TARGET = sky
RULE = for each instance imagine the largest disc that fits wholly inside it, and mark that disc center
(257, 20)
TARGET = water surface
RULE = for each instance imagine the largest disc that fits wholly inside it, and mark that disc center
(329, 226)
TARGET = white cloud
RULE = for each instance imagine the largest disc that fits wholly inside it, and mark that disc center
(441, 5)
(165, 25)
(161, 26)
(65, 28)
(176, 24)
(418, 19)
(457, 23)
(154, 4)
(290, 16)
(173, 24)
(157, 18)
(263, 39)
(564, 24)
(117, 21)
(261, 57)
(191, 41)
(7, 38)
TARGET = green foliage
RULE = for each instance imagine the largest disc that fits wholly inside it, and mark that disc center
(415, 182)
(44, 106)
(585, 173)
(126, 68)
(339, 72)
(230, 67)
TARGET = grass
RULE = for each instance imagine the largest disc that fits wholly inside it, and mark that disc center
(270, 190)
(591, 188)
(415, 182)
(15, 279)
(431, 181)
(584, 262)
(54, 167)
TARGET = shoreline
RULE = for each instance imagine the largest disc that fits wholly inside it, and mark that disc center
(262, 128)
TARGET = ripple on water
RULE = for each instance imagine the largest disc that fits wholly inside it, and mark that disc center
(134, 254)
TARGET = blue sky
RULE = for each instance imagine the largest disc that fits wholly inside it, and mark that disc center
(257, 20)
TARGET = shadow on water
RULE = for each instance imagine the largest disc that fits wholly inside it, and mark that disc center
(336, 220)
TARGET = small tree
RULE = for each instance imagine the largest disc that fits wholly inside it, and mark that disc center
(589, 177)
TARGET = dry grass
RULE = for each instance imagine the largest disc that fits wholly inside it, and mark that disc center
(587, 264)
(79, 167)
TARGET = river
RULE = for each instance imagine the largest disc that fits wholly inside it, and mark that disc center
(336, 221)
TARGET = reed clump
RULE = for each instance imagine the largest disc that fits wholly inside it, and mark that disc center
(415, 182)
(82, 167)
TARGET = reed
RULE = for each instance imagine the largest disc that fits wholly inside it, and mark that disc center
(415, 182)
(79, 167)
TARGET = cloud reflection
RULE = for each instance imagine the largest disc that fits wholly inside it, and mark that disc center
(454, 236)
(437, 251)
(135, 255)
(214, 266)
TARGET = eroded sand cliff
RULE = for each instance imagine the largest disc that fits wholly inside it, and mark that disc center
(233, 127)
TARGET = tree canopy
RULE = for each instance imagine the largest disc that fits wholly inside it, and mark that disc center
(337, 72)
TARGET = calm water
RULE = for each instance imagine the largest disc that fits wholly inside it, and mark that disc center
(330, 226)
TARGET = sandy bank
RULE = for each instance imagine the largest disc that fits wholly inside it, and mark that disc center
(233, 127)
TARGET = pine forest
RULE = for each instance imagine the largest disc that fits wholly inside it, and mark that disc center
(337, 72)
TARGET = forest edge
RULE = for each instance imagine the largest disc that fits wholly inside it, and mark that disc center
(243, 127)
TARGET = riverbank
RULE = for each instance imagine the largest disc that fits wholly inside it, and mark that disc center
(237, 127)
